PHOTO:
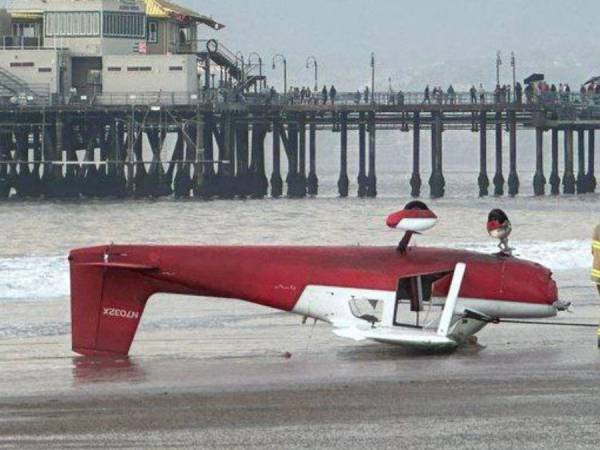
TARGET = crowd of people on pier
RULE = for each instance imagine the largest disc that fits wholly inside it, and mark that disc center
(534, 92)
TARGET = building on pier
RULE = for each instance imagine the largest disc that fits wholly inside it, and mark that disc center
(61, 51)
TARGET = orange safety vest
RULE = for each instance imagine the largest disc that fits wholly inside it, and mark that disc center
(596, 266)
(596, 253)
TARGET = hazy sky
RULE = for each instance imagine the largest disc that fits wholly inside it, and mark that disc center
(416, 42)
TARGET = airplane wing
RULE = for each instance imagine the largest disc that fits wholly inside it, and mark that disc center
(413, 337)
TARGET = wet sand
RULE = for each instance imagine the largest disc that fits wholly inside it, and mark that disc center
(212, 374)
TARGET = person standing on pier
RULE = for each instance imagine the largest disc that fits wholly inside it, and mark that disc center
(481, 94)
(332, 94)
(426, 98)
(451, 95)
(473, 93)
(324, 94)
(367, 96)
(519, 93)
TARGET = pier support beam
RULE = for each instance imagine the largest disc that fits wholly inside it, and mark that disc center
(294, 186)
(343, 182)
(371, 176)
(5, 156)
(590, 178)
(313, 181)
(581, 185)
(226, 157)
(499, 176)
(483, 180)
(301, 180)
(554, 177)
(242, 181)
(539, 180)
(569, 176)
(362, 156)
(513, 177)
(259, 186)
(276, 180)
(436, 181)
(415, 179)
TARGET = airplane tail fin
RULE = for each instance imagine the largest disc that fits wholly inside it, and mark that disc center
(107, 302)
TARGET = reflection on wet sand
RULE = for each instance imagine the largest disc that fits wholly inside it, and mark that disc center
(106, 369)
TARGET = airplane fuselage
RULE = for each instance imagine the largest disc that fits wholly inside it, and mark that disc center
(316, 282)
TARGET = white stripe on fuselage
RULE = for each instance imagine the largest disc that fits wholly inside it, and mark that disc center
(330, 304)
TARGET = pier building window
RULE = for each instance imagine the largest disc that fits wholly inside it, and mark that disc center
(44, 69)
(176, 68)
(139, 69)
(114, 69)
(66, 24)
(124, 25)
(21, 64)
(153, 31)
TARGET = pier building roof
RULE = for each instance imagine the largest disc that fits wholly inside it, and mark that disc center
(164, 9)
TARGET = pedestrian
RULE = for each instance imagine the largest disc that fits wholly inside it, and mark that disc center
(324, 94)
(519, 93)
(426, 98)
(473, 93)
(451, 95)
(332, 94)
(367, 94)
(481, 94)
(400, 97)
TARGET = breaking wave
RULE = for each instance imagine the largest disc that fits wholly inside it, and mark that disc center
(45, 277)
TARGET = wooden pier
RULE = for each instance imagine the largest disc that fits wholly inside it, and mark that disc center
(218, 148)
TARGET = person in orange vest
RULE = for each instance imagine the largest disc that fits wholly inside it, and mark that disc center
(596, 266)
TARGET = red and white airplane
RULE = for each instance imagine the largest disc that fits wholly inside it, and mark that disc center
(428, 298)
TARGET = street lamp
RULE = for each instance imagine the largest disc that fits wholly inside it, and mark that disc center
(498, 64)
(312, 61)
(372, 77)
(282, 58)
(260, 63)
(513, 64)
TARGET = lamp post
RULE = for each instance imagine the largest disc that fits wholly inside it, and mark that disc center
(311, 60)
(279, 56)
(260, 63)
(372, 77)
(513, 64)
(498, 64)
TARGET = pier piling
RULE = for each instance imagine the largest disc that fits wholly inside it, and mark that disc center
(371, 175)
(539, 180)
(415, 179)
(313, 181)
(483, 180)
(581, 185)
(301, 179)
(362, 156)
(499, 176)
(343, 182)
(436, 181)
(590, 177)
(276, 180)
(513, 177)
(554, 177)
(569, 175)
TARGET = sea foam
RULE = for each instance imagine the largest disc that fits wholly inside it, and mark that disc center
(44, 277)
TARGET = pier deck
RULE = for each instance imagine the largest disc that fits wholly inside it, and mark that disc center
(100, 148)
